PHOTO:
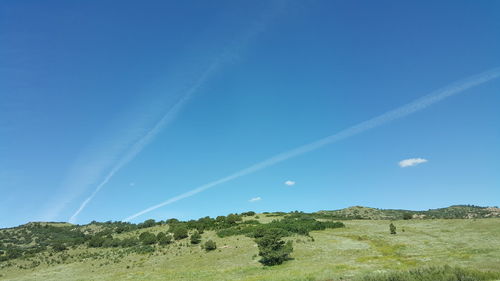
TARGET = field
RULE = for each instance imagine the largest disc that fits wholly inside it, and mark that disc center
(362, 247)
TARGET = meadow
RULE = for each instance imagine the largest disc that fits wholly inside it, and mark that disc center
(362, 247)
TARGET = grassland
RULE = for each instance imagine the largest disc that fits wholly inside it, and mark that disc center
(362, 247)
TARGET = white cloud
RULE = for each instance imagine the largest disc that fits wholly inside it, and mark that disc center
(411, 162)
(255, 199)
(290, 183)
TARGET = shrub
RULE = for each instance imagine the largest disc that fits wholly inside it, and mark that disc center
(96, 241)
(195, 237)
(129, 242)
(392, 228)
(147, 238)
(147, 223)
(59, 247)
(445, 273)
(272, 249)
(180, 232)
(210, 245)
(164, 239)
(407, 216)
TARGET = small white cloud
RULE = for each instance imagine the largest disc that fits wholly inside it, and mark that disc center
(411, 162)
(290, 183)
(255, 199)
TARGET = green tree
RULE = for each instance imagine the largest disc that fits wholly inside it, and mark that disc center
(210, 245)
(58, 247)
(407, 216)
(195, 237)
(96, 241)
(272, 248)
(148, 223)
(147, 238)
(392, 228)
(164, 239)
(180, 232)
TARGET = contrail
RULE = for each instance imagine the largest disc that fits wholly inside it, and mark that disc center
(227, 55)
(403, 111)
(138, 146)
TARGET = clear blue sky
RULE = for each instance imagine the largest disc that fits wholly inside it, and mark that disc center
(84, 86)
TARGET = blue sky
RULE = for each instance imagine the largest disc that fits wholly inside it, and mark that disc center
(148, 101)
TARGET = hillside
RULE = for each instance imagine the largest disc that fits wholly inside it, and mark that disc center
(322, 248)
(452, 212)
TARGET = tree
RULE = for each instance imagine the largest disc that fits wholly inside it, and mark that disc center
(233, 218)
(272, 249)
(392, 228)
(96, 241)
(210, 245)
(195, 237)
(148, 223)
(180, 232)
(407, 216)
(58, 247)
(147, 238)
(172, 221)
(164, 239)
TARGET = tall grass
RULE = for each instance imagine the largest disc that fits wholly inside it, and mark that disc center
(445, 273)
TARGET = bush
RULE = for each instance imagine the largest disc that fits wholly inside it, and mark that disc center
(59, 247)
(147, 238)
(164, 239)
(129, 242)
(96, 241)
(272, 249)
(210, 245)
(180, 232)
(147, 223)
(445, 273)
(195, 237)
(392, 228)
(407, 216)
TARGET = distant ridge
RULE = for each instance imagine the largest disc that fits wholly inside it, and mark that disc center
(452, 212)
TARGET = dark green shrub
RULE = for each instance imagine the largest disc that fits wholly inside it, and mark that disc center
(272, 249)
(59, 247)
(407, 216)
(164, 239)
(147, 223)
(180, 232)
(195, 237)
(96, 241)
(392, 228)
(210, 245)
(147, 238)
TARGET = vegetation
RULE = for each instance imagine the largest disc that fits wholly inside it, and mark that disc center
(195, 237)
(241, 244)
(147, 238)
(392, 228)
(210, 245)
(452, 212)
(272, 248)
(180, 232)
(445, 273)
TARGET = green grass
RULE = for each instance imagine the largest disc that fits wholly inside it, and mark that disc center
(442, 273)
(361, 248)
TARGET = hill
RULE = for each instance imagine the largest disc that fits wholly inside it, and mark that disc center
(452, 212)
(322, 248)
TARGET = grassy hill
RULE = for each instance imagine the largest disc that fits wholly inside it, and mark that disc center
(354, 252)
(452, 212)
